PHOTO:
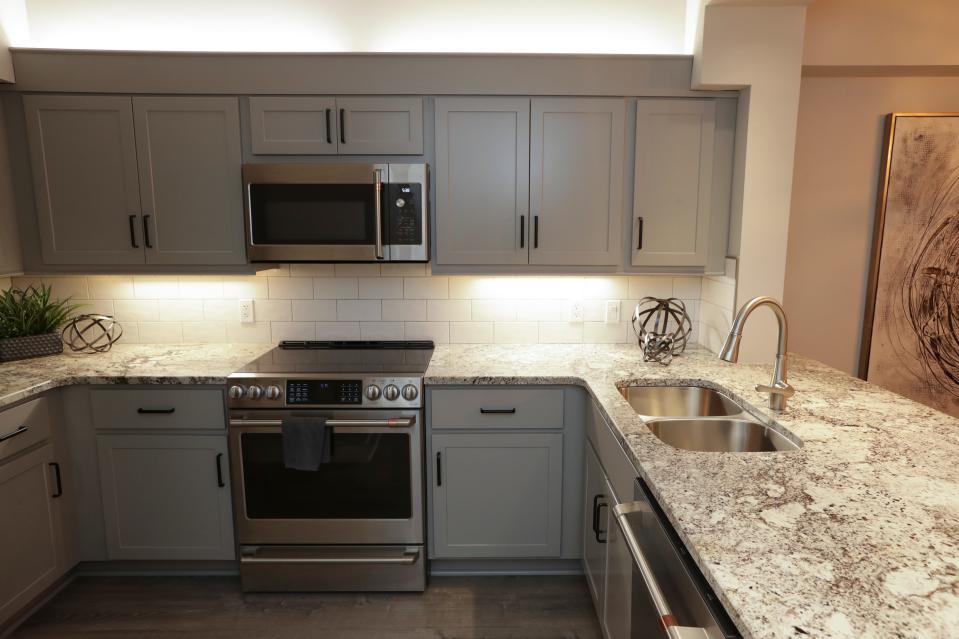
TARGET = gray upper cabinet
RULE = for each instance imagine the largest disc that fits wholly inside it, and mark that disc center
(293, 125)
(482, 180)
(190, 181)
(576, 181)
(672, 198)
(497, 495)
(84, 160)
(380, 125)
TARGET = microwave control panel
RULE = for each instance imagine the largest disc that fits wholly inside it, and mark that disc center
(405, 214)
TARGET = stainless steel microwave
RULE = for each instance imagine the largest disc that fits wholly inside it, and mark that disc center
(336, 212)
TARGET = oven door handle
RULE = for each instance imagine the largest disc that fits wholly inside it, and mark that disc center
(407, 559)
(391, 422)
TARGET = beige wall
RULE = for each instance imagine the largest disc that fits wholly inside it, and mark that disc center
(838, 149)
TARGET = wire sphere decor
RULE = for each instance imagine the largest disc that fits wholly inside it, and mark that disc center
(92, 333)
(662, 328)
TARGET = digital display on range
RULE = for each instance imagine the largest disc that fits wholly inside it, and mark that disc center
(315, 391)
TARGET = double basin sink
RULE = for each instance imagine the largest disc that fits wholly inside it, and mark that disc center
(702, 419)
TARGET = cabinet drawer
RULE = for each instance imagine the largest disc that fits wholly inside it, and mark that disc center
(23, 426)
(158, 408)
(497, 408)
(617, 466)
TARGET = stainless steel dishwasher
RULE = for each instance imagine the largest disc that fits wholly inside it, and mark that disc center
(654, 588)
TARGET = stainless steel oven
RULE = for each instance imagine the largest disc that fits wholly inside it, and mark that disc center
(336, 212)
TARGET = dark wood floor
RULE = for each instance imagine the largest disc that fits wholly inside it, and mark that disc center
(214, 608)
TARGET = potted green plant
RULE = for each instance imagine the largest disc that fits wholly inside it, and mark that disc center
(30, 322)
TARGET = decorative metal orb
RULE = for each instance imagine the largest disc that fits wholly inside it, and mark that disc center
(92, 333)
(662, 327)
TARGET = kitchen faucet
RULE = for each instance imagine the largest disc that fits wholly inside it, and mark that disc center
(779, 390)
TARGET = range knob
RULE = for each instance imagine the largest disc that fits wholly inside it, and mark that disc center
(237, 392)
(273, 392)
(254, 392)
(391, 392)
(373, 392)
(410, 392)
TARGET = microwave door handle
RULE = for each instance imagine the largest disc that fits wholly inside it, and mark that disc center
(669, 621)
(378, 210)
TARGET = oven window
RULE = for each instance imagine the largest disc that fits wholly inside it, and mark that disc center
(368, 477)
(312, 214)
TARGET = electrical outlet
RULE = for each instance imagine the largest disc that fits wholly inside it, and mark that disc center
(247, 315)
(612, 311)
(576, 311)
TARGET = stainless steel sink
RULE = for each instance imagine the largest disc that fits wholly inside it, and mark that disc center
(720, 435)
(679, 401)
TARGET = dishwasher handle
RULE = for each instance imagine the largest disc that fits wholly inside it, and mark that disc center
(669, 621)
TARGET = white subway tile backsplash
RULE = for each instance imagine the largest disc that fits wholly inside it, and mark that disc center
(257, 332)
(404, 310)
(687, 288)
(560, 332)
(160, 332)
(397, 269)
(311, 270)
(278, 270)
(200, 287)
(439, 332)
(538, 310)
(449, 310)
(516, 332)
(291, 288)
(222, 310)
(337, 330)
(111, 287)
(426, 288)
(180, 310)
(382, 330)
(103, 307)
(650, 286)
(246, 287)
(494, 310)
(380, 288)
(603, 333)
(719, 292)
(356, 270)
(335, 288)
(471, 332)
(280, 331)
(314, 310)
(359, 310)
(274, 310)
(155, 287)
(606, 288)
(204, 332)
(136, 310)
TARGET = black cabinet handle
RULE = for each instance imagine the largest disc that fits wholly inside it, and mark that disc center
(535, 231)
(56, 472)
(639, 234)
(219, 471)
(498, 411)
(329, 130)
(522, 231)
(156, 411)
(146, 231)
(597, 507)
(20, 430)
(133, 231)
(439, 470)
(343, 126)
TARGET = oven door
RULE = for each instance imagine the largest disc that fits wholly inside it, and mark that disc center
(370, 492)
(315, 212)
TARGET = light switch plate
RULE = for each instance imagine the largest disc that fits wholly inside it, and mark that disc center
(612, 311)
(576, 311)
(247, 315)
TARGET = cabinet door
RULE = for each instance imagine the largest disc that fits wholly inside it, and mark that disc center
(30, 537)
(576, 180)
(190, 179)
(166, 496)
(598, 501)
(482, 180)
(293, 125)
(84, 159)
(673, 182)
(497, 495)
(617, 614)
(380, 126)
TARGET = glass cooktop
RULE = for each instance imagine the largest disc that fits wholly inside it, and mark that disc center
(400, 357)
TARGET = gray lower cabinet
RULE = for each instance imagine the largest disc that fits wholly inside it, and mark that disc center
(166, 496)
(482, 180)
(191, 192)
(84, 160)
(327, 125)
(31, 537)
(497, 495)
(576, 180)
(597, 500)
(672, 198)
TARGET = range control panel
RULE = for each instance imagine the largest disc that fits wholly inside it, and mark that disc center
(365, 392)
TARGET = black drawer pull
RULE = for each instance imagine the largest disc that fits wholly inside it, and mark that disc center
(20, 430)
(133, 231)
(639, 234)
(498, 411)
(597, 507)
(522, 231)
(342, 126)
(219, 471)
(56, 471)
(439, 470)
(156, 411)
(535, 231)
(329, 134)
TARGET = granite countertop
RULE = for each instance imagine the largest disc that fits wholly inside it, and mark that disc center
(126, 364)
(854, 535)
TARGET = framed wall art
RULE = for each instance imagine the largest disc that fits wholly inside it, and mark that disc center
(910, 342)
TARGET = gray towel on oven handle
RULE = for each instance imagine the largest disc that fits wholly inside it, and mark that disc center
(307, 442)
